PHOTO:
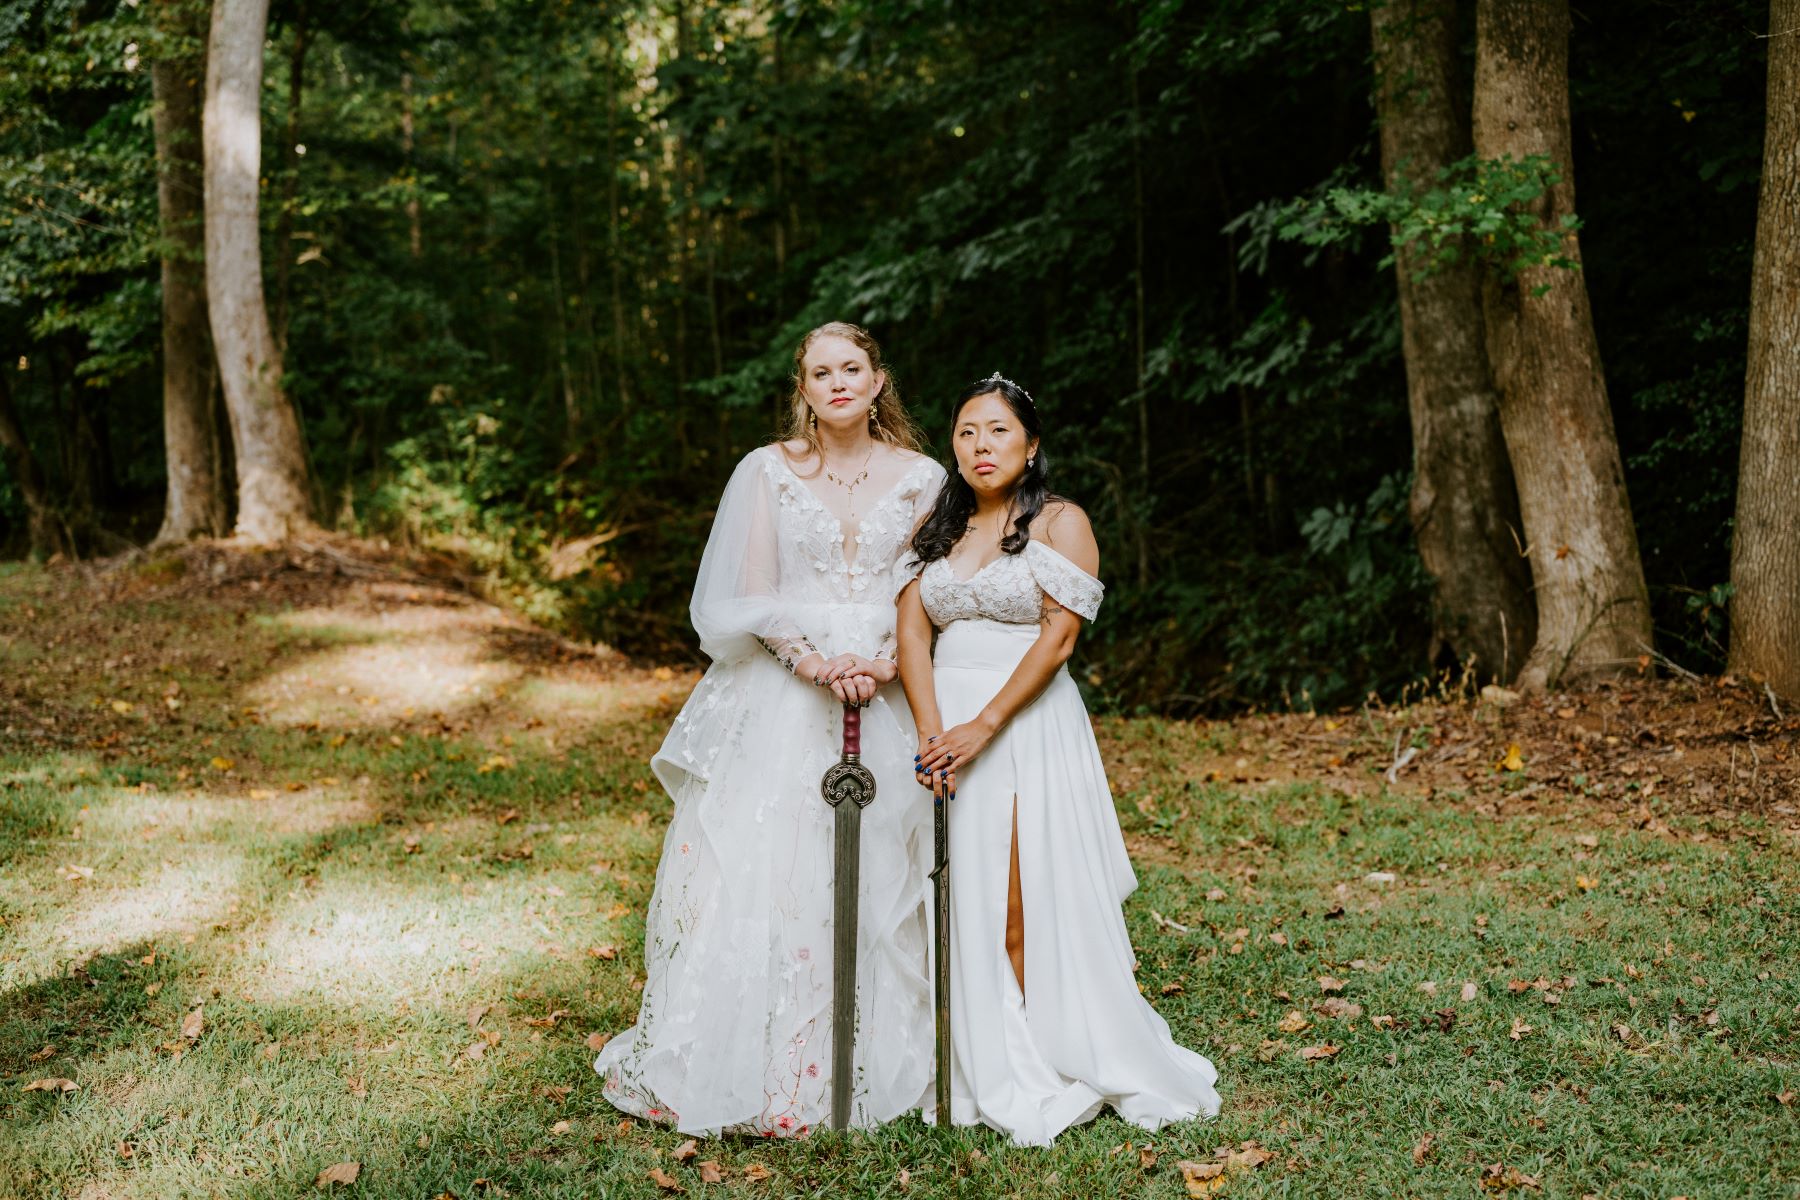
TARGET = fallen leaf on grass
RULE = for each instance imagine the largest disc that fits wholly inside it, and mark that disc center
(1513, 760)
(1330, 983)
(549, 1020)
(51, 1085)
(664, 1180)
(1201, 1179)
(1279, 939)
(41, 1055)
(476, 1012)
(598, 1040)
(1470, 991)
(75, 874)
(194, 1024)
(604, 953)
(1313, 1053)
(222, 764)
(1429, 987)
(756, 1172)
(685, 1151)
(344, 1173)
(710, 1172)
(1586, 883)
(560, 1128)
(1172, 989)
(1294, 1022)
(1382, 1021)
(1146, 1158)
(1338, 1008)
(1446, 1019)
(1379, 877)
(1786, 1099)
(1519, 1029)
(1422, 1151)
(150, 989)
(1496, 1178)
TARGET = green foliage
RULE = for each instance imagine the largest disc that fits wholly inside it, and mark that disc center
(1487, 210)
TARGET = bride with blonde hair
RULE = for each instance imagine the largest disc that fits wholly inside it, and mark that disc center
(794, 604)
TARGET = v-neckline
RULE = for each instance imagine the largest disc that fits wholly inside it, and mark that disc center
(978, 571)
(849, 563)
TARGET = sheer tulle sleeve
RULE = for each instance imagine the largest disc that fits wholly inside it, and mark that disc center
(1064, 582)
(737, 608)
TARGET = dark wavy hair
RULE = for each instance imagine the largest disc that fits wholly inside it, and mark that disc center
(949, 518)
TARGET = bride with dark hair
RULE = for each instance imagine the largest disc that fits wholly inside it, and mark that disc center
(1047, 1024)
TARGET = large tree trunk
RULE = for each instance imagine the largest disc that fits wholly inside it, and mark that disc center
(1765, 546)
(265, 430)
(44, 524)
(1592, 606)
(1465, 510)
(195, 504)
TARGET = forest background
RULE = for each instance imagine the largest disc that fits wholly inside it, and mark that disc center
(534, 273)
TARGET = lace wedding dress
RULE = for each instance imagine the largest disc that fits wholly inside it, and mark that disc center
(734, 1033)
(1080, 1036)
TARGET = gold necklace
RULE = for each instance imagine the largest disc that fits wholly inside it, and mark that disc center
(850, 487)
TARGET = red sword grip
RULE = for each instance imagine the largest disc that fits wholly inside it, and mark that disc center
(852, 729)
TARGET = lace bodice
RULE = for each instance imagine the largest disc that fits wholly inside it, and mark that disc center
(775, 575)
(1010, 589)
(812, 541)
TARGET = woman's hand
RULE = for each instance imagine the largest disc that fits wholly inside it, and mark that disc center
(943, 754)
(852, 678)
(938, 785)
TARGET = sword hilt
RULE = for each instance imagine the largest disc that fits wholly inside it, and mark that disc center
(852, 730)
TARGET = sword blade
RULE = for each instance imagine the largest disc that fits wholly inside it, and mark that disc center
(846, 877)
(940, 895)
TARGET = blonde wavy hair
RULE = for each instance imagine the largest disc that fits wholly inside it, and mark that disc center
(891, 424)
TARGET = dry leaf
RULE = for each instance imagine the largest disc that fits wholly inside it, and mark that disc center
(1496, 1178)
(598, 1040)
(1586, 883)
(1294, 1022)
(75, 874)
(1429, 987)
(1519, 1029)
(1172, 989)
(194, 1024)
(756, 1172)
(222, 764)
(1313, 1053)
(606, 953)
(1422, 1151)
(1786, 1099)
(1470, 991)
(710, 1172)
(685, 1151)
(1280, 939)
(1330, 983)
(560, 1128)
(1513, 760)
(664, 1180)
(1247, 1156)
(1339, 1008)
(1201, 1179)
(1146, 1158)
(1382, 1021)
(41, 1055)
(476, 1012)
(51, 1085)
(344, 1172)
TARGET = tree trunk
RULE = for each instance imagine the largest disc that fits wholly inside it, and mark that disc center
(195, 502)
(1765, 545)
(265, 429)
(290, 181)
(1593, 607)
(44, 525)
(1464, 508)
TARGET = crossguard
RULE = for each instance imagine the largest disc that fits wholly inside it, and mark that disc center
(848, 779)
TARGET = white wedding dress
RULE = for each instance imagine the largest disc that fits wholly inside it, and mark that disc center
(734, 1033)
(1081, 1035)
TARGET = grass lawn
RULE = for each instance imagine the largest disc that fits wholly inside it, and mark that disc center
(292, 878)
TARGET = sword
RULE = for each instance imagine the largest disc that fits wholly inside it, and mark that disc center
(848, 787)
(940, 896)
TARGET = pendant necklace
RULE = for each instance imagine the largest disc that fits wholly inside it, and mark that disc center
(850, 486)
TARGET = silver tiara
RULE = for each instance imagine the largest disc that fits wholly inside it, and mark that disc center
(997, 377)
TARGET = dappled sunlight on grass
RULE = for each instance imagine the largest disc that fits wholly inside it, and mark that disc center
(377, 685)
(93, 916)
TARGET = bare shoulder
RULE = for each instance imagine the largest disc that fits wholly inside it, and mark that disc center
(1065, 528)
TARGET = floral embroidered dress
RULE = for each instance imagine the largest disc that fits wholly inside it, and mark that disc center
(734, 1033)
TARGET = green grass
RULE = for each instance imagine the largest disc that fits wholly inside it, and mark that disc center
(444, 848)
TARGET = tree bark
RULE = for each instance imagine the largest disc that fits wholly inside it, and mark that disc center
(1464, 508)
(195, 501)
(1765, 545)
(43, 523)
(265, 429)
(1592, 605)
(290, 180)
